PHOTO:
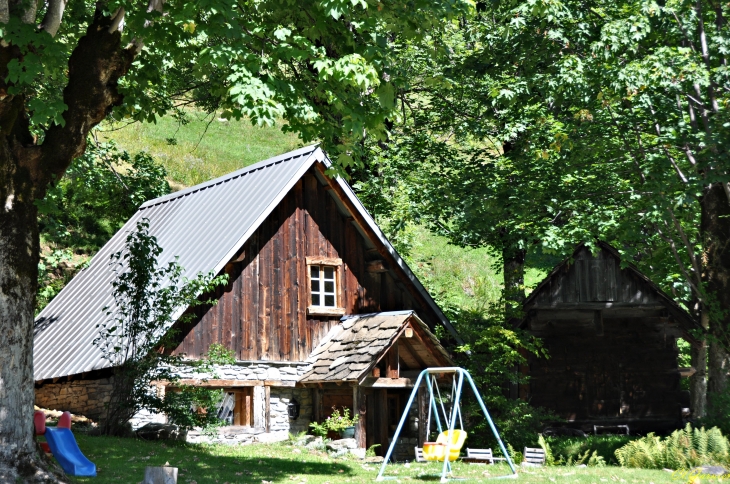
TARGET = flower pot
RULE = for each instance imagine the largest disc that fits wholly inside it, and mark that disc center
(348, 433)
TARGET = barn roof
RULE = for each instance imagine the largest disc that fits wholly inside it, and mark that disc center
(555, 291)
(353, 347)
(204, 227)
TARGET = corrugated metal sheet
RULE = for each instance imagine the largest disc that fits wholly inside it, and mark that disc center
(204, 226)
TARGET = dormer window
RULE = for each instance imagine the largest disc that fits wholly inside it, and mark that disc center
(324, 286)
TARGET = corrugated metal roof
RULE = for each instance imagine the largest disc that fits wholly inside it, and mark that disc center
(204, 226)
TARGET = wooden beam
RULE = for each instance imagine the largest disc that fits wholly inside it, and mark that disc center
(317, 405)
(267, 411)
(238, 408)
(232, 383)
(598, 322)
(382, 397)
(326, 261)
(687, 372)
(371, 382)
(376, 266)
(359, 407)
(595, 306)
(423, 402)
(392, 363)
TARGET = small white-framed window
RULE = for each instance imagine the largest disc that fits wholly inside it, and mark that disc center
(324, 276)
(322, 286)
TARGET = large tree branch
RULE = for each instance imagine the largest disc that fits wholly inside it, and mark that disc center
(95, 66)
(54, 15)
(4, 12)
(658, 130)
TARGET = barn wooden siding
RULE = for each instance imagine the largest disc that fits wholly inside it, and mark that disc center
(611, 338)
(262, 314)
(629, 373)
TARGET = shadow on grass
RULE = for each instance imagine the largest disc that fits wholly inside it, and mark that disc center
(124, 460)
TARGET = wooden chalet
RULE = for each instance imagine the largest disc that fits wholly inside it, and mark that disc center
(320, 310)
(611, 337)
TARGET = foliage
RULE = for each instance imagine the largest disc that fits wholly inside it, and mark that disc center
(683, 449)
(82, 210)
(220, 355)
(325, 67)
(581, 450)
(718, 411)
(337, 422)
(370, 452)
(148, 299)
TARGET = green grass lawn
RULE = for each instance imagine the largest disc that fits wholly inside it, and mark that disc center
(202, 149)
(124, 460)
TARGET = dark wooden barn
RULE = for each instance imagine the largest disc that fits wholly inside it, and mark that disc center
(611, 337)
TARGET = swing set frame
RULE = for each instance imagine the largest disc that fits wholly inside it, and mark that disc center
(460, 375)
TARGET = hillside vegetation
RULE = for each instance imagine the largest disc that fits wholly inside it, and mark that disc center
(205, 148)
(202, 147)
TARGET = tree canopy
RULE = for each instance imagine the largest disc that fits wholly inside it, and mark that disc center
(324, 67)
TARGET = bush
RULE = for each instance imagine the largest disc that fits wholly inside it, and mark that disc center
(718, 411)
(579, 450)
(683, 449)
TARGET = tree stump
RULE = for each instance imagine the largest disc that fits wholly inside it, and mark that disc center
(160, 475)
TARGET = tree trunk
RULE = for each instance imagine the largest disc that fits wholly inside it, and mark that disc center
(715, 229)
(514, 281)
(698, 381)
(18, 280)
(717, 368)
(97, 63)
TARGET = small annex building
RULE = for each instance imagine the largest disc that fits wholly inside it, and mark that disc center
(320, 310)
(611, 335)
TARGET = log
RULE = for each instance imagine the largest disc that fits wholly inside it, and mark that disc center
(160, 475)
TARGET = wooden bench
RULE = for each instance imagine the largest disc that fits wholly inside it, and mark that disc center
(479, 456)
(419, 455)
(533, 457)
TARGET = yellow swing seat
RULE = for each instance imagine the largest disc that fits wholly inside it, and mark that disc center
(434, 451)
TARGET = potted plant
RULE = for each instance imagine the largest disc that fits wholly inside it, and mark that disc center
(341, 423)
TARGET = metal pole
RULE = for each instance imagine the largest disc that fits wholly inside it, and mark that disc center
(400, 425)
(433, 404)
(491, 425)
(452, 427)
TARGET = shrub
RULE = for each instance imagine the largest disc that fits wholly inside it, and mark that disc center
(581, 450)
(683, 449)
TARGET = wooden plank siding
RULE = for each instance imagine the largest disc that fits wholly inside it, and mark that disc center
(611, 338)
(598, 279)
(262, 314)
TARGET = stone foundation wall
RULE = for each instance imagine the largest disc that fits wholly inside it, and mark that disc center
(84, 397)
(88, 397)
(251, 370)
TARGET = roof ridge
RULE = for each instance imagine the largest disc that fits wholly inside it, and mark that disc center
(231, 176)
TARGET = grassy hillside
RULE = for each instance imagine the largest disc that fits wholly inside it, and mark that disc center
(204, 148)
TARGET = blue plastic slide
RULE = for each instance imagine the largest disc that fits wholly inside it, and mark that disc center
(65, 449)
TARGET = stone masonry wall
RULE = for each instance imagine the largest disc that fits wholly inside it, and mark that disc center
(84, 397)
(88, 397)
(256, 370)
(281, 424)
